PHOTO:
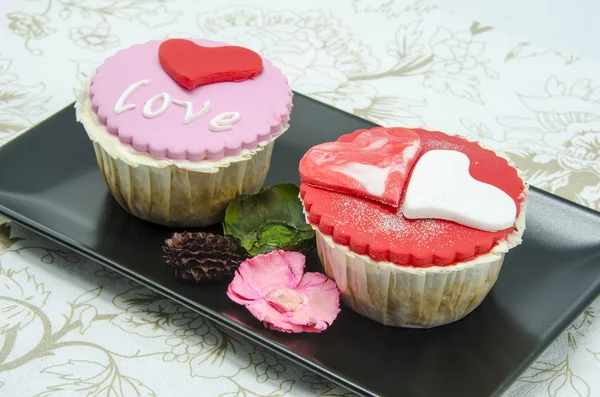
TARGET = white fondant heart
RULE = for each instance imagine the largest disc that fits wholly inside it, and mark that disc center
(441, 187)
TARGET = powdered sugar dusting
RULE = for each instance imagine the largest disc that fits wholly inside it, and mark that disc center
(443, 145)
(430, 230)
(364, 219)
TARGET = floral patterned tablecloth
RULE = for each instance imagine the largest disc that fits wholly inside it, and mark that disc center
(70, 327)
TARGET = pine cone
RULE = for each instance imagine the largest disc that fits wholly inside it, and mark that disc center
(203, 257)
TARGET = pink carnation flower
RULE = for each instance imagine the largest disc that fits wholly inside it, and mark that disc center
(275, 289)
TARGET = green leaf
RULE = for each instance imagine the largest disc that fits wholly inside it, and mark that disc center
(269, 220)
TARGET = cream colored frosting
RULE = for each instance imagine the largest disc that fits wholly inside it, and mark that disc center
(116, 149)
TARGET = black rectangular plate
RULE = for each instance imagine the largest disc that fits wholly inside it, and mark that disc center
(54, 188)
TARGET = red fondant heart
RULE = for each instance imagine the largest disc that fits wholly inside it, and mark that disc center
(192, 65)
(371, 163)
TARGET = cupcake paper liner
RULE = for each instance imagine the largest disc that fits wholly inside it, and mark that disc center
(408, 297)
(174, 196)
(414, 297)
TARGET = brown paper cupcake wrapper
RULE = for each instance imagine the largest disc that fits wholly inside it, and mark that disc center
(408, 297)
(173, 196)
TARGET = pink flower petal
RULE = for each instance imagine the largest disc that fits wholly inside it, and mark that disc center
(271, 317)
(233, 294)
(322, 301)
(240, 292)
(275, 290)
(295, 261)
(275, 320)
(296, 329)
(274, 269)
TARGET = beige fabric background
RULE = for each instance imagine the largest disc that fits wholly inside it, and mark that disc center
(69, 327)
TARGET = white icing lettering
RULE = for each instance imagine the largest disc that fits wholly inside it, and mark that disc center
(224, 121)
(120, 106)
(149, 113)
(189, 110)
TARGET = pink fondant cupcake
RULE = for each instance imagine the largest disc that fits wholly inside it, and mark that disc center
(412, 225)
(182, 127)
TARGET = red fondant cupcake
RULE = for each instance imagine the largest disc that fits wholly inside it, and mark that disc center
(412, 225)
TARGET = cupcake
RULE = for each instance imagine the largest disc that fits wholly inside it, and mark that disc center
(412, 225)
(182, 127)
